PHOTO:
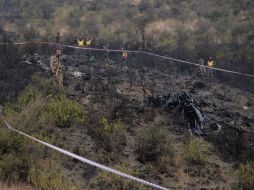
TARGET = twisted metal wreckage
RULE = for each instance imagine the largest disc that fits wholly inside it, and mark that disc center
(189, 109)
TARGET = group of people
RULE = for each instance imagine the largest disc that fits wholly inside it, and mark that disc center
(57, 70)
(55, 64)
(208, 72)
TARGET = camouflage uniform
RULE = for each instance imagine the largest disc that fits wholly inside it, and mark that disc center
(56, 69)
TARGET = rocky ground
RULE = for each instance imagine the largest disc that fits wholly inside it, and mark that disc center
(118, 91)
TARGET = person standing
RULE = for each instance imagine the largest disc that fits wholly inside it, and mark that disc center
(56, 68)
(88, 45)
(202, 68)
(58, 38)
(80, 42)
(106, 54)
(88, 41)
(210, 64)
(124, 54)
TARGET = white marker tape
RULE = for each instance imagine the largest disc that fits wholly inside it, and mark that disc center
(84, 160)
(130, 51)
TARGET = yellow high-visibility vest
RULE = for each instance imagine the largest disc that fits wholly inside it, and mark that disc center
(81, 43)
(210, 64)
(89, 42)
(125, 54)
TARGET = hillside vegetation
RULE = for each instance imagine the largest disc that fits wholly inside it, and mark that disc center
(188, 29)
(108, 113)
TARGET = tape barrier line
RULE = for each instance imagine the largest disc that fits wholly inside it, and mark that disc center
(131, 51)
(198, 65)
(84, 160)
(17, 43)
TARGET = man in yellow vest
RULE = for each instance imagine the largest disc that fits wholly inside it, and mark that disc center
(56, 68)
(88, 44)
(80, 42)
(88, 41)
(210, 64)
(124, 54)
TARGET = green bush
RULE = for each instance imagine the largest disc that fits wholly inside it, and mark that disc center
(45, 175)
(44, 86)
(29, 33)
(46, 8)
(112, 134)
(245, 173)
(74, 18)
(28, 95)
(63, 112)
(14, 163)
(153, 144)
(195, 150)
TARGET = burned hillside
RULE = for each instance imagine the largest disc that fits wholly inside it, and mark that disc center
(146, 117)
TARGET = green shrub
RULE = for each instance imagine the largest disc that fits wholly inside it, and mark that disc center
(153, 144)
(46, 8)
(13, 159)
(45, 175)
(44, 86)
(115, 182)
(28, 96)
(74, 18)
(195, 150)
(245, 173)
(63, 112)
(112, 134)
(29, 33)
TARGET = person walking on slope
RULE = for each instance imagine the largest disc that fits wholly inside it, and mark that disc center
(210, 64)
(56, 68)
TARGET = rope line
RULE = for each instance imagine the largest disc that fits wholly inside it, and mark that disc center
(84, 160)
(132, 51)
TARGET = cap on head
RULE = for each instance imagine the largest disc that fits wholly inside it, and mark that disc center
(58, 52)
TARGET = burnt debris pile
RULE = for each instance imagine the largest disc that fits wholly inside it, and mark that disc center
(187, 107)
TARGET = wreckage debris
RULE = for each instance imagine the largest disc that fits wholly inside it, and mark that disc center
(187, 106)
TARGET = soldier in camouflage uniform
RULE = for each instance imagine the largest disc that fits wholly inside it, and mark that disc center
(56, 68)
